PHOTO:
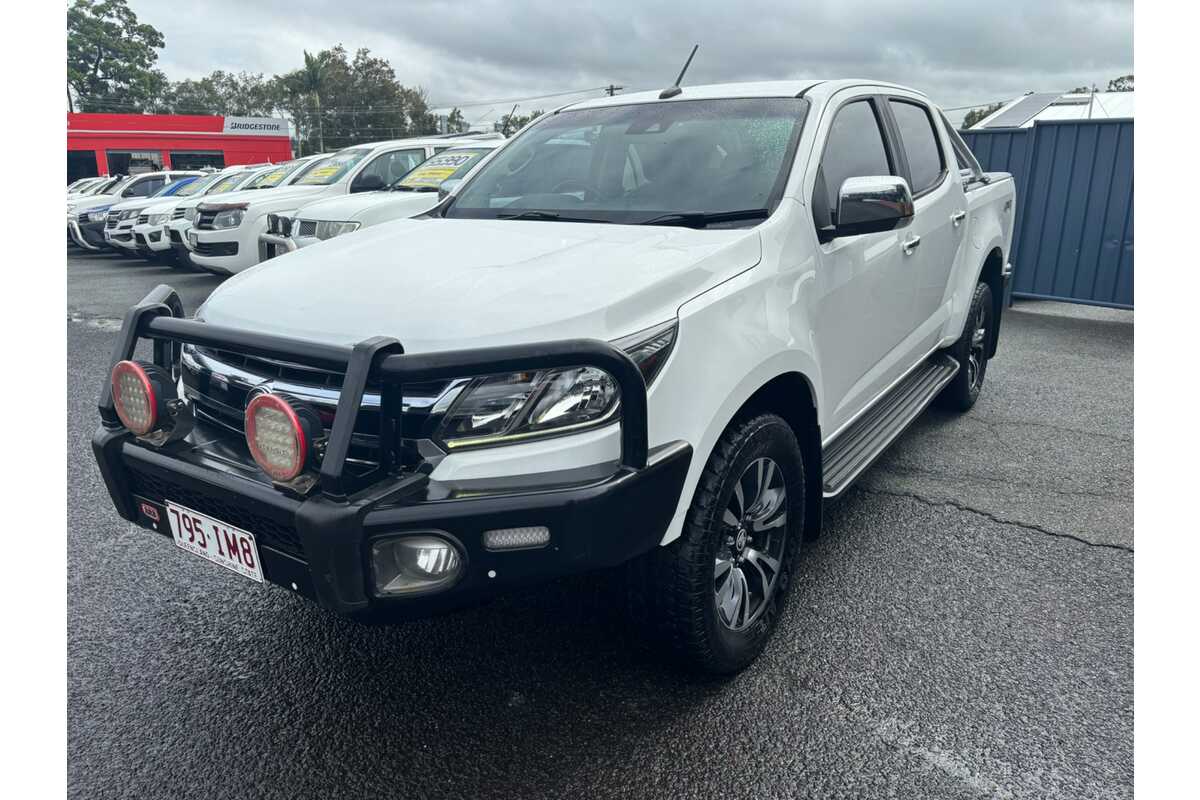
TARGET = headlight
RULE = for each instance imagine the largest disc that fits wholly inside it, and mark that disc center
(189, 213)
(327, 229)
(157, 219)
(517, 406)
(229, 218)
(97, 216)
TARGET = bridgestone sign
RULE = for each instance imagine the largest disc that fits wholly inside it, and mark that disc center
(256, 126)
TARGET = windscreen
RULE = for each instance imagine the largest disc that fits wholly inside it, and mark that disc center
(640, 163)
(429, 174)
(275, 176)
(198, 186)
(332, 169)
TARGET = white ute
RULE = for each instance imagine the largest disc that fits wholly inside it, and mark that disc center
(225, 237)
(166, 224)
(654, 331)
(414, 193)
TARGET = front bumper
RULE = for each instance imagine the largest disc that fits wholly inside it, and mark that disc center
(320, 548)
(88, 235)
(225, 251)
(317, 542)
(152, 238)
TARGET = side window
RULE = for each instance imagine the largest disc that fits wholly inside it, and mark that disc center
(390, 167)
(925, 161)
(962, 153)
(144, 188)
(854, 148)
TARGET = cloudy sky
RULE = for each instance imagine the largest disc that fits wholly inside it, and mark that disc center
(469, 53)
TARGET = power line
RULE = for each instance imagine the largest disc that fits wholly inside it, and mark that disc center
(362, 109)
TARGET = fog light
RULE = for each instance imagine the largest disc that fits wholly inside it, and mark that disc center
(139, 391)
(525, 538)
(414, 564)
(279, 433)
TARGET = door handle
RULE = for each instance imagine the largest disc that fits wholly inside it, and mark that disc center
(909, 245)
(957, 217)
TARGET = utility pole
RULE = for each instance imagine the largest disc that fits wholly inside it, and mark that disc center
(70, 102)
(613, 89)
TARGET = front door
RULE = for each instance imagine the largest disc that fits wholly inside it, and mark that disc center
(863, 320)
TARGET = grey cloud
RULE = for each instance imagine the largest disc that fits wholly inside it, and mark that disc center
(957, 52)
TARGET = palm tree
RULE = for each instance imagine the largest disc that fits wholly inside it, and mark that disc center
(313, 80)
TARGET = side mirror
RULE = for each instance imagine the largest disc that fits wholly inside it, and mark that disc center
(873, 204)
(447, 186)
(367, 183)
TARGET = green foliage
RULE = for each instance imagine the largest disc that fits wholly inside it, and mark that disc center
(455, 122)
(976, 114)
(111, 57)
(336, 101)
(1122, 84)
(242, 95)
(514, 122)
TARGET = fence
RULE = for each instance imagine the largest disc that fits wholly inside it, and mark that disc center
(1073, 236)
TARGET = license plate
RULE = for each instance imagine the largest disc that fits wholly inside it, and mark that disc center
(216, 541)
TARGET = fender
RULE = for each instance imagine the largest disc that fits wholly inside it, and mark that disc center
(748, 361)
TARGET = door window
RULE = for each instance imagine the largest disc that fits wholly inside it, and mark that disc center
(391, 167)
(926, 165)
(143, 188)
(854, 148)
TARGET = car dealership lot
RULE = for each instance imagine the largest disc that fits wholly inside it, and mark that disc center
(964, 628)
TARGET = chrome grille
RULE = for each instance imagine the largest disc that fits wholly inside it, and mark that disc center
(177, 213)
(113, 218)
(204, 219)
(143, 219)
(218, 384)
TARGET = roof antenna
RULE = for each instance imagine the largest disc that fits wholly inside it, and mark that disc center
(667, 94)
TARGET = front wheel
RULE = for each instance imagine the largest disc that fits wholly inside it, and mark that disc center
(971, 352)
(719, 589)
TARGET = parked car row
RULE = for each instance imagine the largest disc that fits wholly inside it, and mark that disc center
(229, 220)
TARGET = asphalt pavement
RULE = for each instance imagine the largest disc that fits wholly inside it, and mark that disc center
(963, 629)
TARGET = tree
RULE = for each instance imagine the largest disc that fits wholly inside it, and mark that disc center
(312, 79)
(1121, 84)
(976, 114)
(242, 95)
(111, 57)
(513, 123)
(361, 100)
(455, 122)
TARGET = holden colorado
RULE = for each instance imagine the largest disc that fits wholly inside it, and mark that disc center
(653, 331)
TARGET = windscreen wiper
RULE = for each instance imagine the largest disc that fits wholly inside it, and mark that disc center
(553, 216)
(702, 219)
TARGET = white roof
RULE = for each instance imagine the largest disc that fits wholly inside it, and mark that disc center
(1101, 105)
(751, 89)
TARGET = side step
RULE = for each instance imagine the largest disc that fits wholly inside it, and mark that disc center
(847, 456)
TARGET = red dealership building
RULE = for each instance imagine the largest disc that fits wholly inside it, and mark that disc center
(109, 144)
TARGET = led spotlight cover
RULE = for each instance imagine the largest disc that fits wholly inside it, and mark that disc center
(134, 397)
(278, 435)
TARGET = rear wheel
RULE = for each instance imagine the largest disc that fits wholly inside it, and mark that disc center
(971, 352)
(718, 590)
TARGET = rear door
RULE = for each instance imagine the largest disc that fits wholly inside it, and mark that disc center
(864, 319)
(938, 230)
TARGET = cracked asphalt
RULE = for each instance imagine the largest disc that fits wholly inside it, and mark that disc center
(963, 629)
